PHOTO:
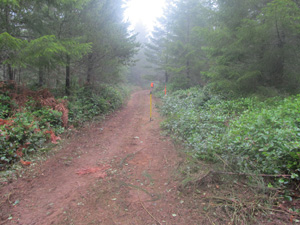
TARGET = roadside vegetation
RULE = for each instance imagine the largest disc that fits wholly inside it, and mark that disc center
(31, 119)
(249, 134)
(233, 95)
(253, 141)
(62, 63)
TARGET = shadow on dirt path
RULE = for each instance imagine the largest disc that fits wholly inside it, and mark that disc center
(114, 172)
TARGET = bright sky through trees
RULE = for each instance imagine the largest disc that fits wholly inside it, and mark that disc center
(144, 11)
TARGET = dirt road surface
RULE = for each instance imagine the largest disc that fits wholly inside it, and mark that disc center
(119, 171)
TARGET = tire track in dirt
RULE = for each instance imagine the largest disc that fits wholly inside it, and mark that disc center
(138, 189)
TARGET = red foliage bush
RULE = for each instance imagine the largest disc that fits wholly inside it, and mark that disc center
(21, 95)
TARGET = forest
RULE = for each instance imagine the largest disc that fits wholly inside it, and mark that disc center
(231, 71)
(62, 63)
(234, 47)
(231, 68)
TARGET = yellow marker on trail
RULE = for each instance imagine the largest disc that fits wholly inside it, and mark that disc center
(150, 105)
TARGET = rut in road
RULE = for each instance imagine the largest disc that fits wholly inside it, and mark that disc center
(138, 188)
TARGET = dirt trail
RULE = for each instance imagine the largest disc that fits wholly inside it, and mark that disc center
(138, 188)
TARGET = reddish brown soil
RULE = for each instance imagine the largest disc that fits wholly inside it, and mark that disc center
(114, 172)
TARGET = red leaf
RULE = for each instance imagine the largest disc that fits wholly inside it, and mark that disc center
(19, 152)
(99, 171)
(25, 163)
(54, 138)
(6, 122)
(36, 130)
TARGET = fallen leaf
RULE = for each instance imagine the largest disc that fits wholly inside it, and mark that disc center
(19, 152)
(54, 138)
(25, 163)
(291, 219)
(88, 171)
(99, 171)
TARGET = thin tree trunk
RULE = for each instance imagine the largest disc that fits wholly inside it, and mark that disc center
(48, 81)
(4, 72)
(41, 76)
(7, 22)
(188, 68)
(68, 76)
(10, 72)
(279, 66)
(166, 76)
(188, 44)
(19, 80)
(89, 69)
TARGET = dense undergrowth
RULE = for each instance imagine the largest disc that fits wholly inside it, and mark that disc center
(86, 103)
(30, 119)
(247, 134)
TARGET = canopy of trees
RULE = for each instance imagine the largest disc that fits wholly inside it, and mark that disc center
(239, 46)
(52, 43)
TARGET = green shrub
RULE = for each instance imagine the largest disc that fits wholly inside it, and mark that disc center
(87, 103)
(48, 118)
(22, 130)
(267, 140)
(27, 129)
(5, 105)
(251, 135)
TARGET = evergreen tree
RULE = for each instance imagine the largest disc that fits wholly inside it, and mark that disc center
(140, 69)
(157, 49)
(255, 48)
(45, 37)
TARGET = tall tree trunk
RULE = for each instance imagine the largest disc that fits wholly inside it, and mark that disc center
(279, 63)
(41, 76)
(68, 75)
(7, 22)
(4, 72)
(188, 46)
(10, 72)
(19, 77)
(166, 76)
(48, 80)
(188, 68)
(90, 68)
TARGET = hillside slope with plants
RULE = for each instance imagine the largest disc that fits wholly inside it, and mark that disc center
(31, 119)
(242, 155)
(61, 63)
(233, 82)
(250, 135)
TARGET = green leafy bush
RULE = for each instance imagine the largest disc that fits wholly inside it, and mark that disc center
(5, 105)
(266, 139)
(26, 129)
(20, 131)
(48, 118)
(25, 132)
(87, 103)
(251, 135)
